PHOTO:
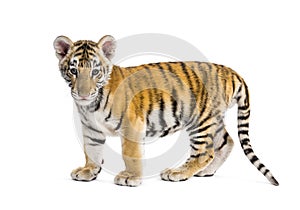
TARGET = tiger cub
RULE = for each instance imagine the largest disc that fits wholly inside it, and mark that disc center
(153, 100)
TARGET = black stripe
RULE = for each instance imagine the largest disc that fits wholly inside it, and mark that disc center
(245, 142)
(248, 151)
(174, 105)
(120, 122)
(181, 110)
(174, 75)
(243, 108)
(147, 116)
(196, 79)
(77, 54)
(201, 129)
(100, 95)
(254, 159)
(107, 97)
(239, 92)
(238, 98)
(260, 166)
(73, 63)
(191, 121)
(98, 100)
(219, 129)
(91, 144)
(151, 130)
(85, 46)
(198, 142)
(241, 132)
(204, 136)
(108, 116)
(95, 106)
(233, 84)
(81, 109)
(226, 135)
(201, 122)
(99, 141)
(246, 102)
(243, 125)
(165, 132)
(102, 69)
(82, 113)
(199, 155)
(238, 78)
(162, 121)
(244, 117)
(141, 107)
(150, 105)
(267, 171)
(205, 96)
(222, 145)
(193, 147)
(95, 64)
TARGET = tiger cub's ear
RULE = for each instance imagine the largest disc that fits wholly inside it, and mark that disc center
(62, 45)
(108, 45)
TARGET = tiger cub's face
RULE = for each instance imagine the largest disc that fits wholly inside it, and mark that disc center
(85, 65)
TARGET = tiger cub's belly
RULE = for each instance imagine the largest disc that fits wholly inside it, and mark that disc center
(160, 124)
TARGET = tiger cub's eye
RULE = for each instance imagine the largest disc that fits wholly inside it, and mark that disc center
(95, 72)
(73, 71)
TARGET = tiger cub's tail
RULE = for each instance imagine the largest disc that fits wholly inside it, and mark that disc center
(242, 98)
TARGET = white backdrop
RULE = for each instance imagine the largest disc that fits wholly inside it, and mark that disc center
(39, 147)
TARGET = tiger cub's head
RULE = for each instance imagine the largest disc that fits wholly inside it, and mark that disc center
(85, 65)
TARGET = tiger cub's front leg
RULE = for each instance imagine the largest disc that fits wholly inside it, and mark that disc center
(93, 149)
(132, 156)
(132, 153)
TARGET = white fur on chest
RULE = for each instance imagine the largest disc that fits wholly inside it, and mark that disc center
(97, 120)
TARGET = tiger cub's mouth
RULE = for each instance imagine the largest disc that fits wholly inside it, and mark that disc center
(84, 100)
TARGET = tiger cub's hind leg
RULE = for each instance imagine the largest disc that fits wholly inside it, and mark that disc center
(202, 153)
(223, 146)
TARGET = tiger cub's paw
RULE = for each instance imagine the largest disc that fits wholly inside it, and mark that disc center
(174, 175)
(87, 173)
(126, 178)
